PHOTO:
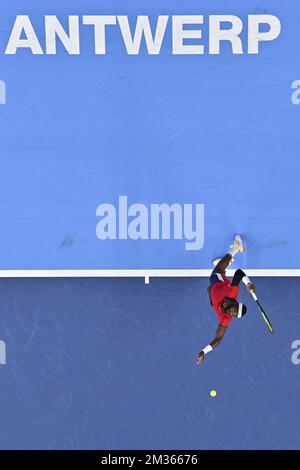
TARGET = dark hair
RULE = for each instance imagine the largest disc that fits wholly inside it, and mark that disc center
(242, 309)
(232, 302)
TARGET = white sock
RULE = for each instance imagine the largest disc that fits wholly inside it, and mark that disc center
(234, 250)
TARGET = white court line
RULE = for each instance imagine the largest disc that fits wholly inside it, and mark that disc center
(143, 273)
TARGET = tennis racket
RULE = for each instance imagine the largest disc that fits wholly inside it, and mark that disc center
(264, 315)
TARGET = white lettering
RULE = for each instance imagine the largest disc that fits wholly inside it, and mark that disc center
(161, 222)
(21, 27)
(54, 29)
(99, 23)
(179, 34)
(217, 34)
(254, 34)
(143, 28)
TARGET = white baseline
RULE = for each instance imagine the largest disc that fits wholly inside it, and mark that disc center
(143, 273)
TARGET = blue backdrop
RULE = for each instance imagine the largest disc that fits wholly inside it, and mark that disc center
(81, 130)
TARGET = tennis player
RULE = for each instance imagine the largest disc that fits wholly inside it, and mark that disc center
(223, 294)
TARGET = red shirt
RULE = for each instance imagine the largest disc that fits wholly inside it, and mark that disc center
(218, 292)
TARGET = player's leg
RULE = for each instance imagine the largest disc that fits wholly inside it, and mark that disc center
(238, 276)
(216, 275)
(222, 264)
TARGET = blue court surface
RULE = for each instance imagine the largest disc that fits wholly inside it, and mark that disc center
(137, 140)
(81, 128)
(111, 364)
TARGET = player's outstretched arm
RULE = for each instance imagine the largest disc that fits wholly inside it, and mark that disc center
(239, 276)
(219, 336)
(250, 286)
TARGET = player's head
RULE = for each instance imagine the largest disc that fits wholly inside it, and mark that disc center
(235, 309)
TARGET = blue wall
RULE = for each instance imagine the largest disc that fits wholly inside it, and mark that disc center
(111, 363)
(78, 131)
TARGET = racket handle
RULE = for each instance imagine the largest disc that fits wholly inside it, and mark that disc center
(254, 296)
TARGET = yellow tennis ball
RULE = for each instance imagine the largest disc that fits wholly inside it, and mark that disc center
(213, 393)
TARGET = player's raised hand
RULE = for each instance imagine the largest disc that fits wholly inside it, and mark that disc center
(200, 357)
(250, 287)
